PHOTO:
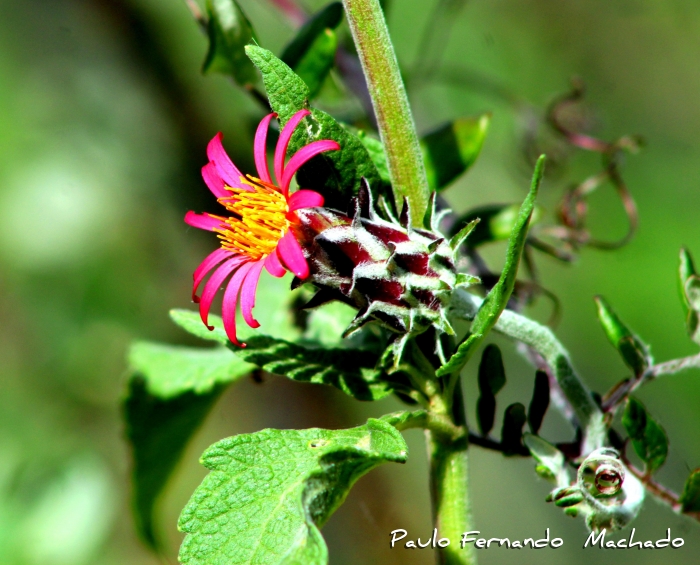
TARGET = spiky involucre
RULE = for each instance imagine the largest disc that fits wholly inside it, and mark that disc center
(399, 276)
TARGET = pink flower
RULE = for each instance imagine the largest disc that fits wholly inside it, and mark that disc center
(257, 233)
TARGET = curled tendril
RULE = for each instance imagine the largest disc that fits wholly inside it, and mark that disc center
(602, 473)
(604, 492)
(613, 497)
(573, 209)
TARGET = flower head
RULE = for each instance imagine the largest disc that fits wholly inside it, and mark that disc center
(257, 231)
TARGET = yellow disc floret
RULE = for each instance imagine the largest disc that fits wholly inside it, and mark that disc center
(260, 218)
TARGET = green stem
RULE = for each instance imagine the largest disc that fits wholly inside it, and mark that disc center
(396, 127)
(449, 487)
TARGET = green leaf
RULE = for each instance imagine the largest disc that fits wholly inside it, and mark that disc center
(551, 463)
(512, 432)
(690, 499)
(173, 370)
(268, 493)
(690, 294)
(326, 324)
(312, 51)
(192, 323)
(329, 17)
(274, 312)
(497, 299)
(286, 92)
(633, 350)
(492, 378)
(335, 174)
(350, 370)
(318, 61)
(158, 431)
(460, 237)
(229, 32)
(170, 394)
(648, 437)
(686, 269)
(496, 222)
(375, 149)
(452, 148)
(539, 402)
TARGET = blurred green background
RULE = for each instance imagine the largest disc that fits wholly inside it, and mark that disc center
(104, 122)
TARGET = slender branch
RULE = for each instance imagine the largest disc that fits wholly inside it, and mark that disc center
(394, 119)
(622, 390)
(573, 209)
(657, 490)
(197, 14)
(672, 367)
(493, 445)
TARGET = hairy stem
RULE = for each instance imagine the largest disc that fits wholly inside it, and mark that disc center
(620, 392)
(449, 489)
(394, 119)
(671, 367)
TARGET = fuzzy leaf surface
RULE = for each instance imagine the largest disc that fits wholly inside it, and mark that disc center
(634, 352)
(452, 149)
(174, 370)
(690, 499)
(268, 493)
(648, 437)
(229, 32)
(192, 323)
(335, 174)
(497, 299)
(350, 370)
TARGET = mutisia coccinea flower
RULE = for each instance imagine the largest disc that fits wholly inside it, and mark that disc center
(257, 229)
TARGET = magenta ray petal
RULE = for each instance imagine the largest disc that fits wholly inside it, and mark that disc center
(250, 286)
(228, 306)
(225, 167)
(213, 285)
(273, 265)
(291, 254)
(213, 180)
(211, 260)
(260, 148)
(202, 221)
(283, 142)
(301, 157)
(304, 199)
